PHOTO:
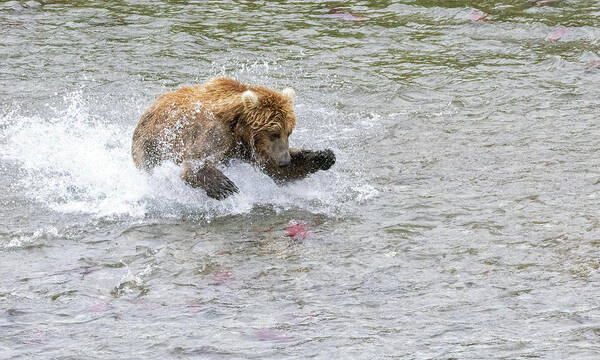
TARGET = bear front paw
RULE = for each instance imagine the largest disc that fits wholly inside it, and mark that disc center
(220, 188)
(324, 159)
(214, 182)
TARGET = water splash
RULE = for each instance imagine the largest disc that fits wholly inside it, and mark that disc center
(75, 160)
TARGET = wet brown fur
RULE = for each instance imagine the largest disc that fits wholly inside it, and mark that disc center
(171, 126)
(202, 125)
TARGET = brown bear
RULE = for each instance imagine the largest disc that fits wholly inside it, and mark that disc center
(201, 126)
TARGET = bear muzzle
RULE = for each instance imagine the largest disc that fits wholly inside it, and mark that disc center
(280, 152)
(285, 160)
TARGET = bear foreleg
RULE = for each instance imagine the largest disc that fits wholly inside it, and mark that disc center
(208, 177)
(302, 164)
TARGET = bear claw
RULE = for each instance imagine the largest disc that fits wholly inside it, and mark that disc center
(324, 159)
(222, 189)
(214, 182)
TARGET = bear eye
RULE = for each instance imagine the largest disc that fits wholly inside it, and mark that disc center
(274, 136)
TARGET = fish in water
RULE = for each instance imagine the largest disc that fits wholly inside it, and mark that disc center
(558, 33)
(346, 15)
(221, 276)
(478, 16)
(541, 2)
(99, 307)
(297, 231)
(592, 65)
(272, 335)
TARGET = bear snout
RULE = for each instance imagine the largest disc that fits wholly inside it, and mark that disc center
(285, 160)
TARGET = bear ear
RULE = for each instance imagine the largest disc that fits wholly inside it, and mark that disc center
(289, 93)
(249, 99)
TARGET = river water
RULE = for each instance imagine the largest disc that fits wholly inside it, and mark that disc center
(461, 219)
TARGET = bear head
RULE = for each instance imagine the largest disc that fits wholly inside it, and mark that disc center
(265, 124)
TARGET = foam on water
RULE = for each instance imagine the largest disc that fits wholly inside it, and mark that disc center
(76, 161)
(21, 239)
